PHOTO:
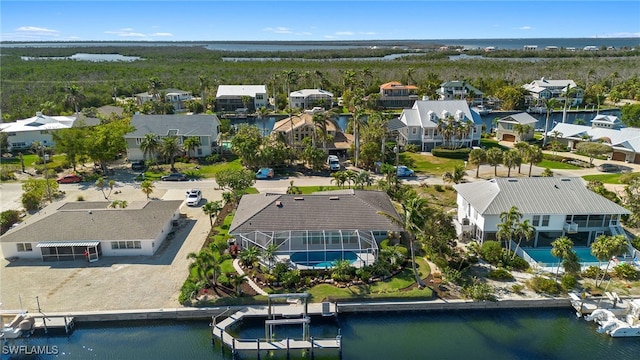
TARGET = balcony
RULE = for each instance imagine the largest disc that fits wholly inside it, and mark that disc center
(570, 228)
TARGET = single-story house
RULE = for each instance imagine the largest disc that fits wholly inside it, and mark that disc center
(232, 97)
(309, 98)
(425, 118)
(314, 230)
(511, 127)
(175, 97)
(78, 229)
(22, 134)
(206, 127)
(624, 141)
(555, 206)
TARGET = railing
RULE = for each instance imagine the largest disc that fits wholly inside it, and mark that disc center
(571, 228)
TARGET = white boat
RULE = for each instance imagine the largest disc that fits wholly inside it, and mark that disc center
(19, 325)
(480, 109)
(622, 325)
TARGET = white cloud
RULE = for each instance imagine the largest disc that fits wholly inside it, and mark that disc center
(278, 30)
(620, 35)
(343, 33)
(367, 33)
(37, 30)
(126, 32)
(162, 34)
(526, 27)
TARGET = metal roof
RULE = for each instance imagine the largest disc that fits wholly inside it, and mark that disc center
(240, 90)
(187, 125)
(50, 244)
(521, 118)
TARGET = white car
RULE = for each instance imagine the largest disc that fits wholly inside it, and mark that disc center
(193, 197)
(333, 162)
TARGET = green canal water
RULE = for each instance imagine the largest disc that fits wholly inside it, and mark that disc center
(504, 334)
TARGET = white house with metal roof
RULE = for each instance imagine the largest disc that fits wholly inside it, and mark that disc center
(205, 127)
(309, 98)
(22, 134)
(458, 90)
(511, 127)
(548, 88)
(315, 230)
(230, 97)
(624, 141)
(555, 206)
(92, 227)
(175, 97)
(423, 118)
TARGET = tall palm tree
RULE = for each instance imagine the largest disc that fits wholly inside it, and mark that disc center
(511, 159)
(521, 147)
(269, 254)
(605, 247)
(494, 158)
(74, 96)
(290, 111)
(363, 178)
(477, 157)
(212, 208)
(237, 280)
(150, 147)
(560, 249)
(532, 155)
(206, 263)
(262, 115)
(521, 130)
(204, 83)
(508, 224)
(548, 104)
(191, 144)
(357, 121)
(523, 231)
(339, 177)
(169, 148)
(154, 86)
(412, 219)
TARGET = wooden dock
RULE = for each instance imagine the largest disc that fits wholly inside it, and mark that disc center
(52, 322)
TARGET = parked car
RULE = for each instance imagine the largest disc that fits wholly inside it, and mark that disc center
(174, 177)
(333, 162)
(193, 197)
(138, 165)
(608, 168)
(264, 173)
(403, 171)
(68, 179)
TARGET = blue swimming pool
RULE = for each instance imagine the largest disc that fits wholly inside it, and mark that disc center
(322, 259)
(543, 256)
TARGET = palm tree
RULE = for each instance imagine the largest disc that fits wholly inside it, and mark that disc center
(351, 177)
(150, 147)
(236, 281)
(507, 227)
(147, 187)
(169, 148)
(532, 155)
(357, 121)
(289, 111)
(191, 144)
(102, 183)
(339, 177)
(477, 157)
(561, 248)
(606, 247)
(412, 220)
(456, 176)
(362, 179)
(393, 254)
(205, 263)
(203, 88)
(249, 256)
(269, 254)
(548, 104)
(494, 158)
(262, 114)
(74, 96)
(511, 159)
(154, 86)
(212, 208)
(521, 130)
(523, 231)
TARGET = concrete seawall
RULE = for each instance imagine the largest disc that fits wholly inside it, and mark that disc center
(345, 307)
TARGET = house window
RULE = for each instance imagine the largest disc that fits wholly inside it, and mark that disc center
(138, 141)
(126, 245)
(545, 220)
(259, 97)
(44, 131)
(536, 220)
(414, 131)
(22, 247)
(11, 134)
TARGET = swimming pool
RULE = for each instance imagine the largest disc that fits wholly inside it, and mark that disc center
(322, 259)
(543, 256)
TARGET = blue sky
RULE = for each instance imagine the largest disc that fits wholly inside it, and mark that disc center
(306, 20)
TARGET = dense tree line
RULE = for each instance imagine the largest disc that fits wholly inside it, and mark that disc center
(33, 85)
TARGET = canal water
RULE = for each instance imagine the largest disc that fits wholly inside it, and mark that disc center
(494, 334)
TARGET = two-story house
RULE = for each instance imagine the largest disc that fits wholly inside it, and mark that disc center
(310, 98)
(299, 127)
(206, 127)
(516, 127)
(397, 95)
(456, 90)
(177, 98)
(425, 124)
(22, 134)
(555, 206)
(233, 97)
(553, 89)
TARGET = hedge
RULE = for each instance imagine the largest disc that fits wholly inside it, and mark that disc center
(462, 153)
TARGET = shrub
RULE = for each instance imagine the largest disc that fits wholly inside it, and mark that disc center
(569, 282)
(189, 290)
(479, 291)
(80, 198)
(438, 188)
(591, 272)
(7, 219)
(517, 288)
(625, 271)
(500, 274)
(491, 251)
(224, 280)
(384, 243)
(627, 178)
(7, 174)
(462, 153)
(543, 285)
(636, 242)
(412, 148)
(291, 278)
(518, 263)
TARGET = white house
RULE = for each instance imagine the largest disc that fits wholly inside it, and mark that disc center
(230, 97)
(78, 227)
(547, 89)
(206, 127)
(22, 134)
(456, 90)
(175, 97)
(555, 206)
(309, 98)
(421, 124)
(624, 141)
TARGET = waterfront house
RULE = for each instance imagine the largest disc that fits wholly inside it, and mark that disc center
(206, 127)
(21, 134)
(543, 89)
(310, 98)
(624, 141)
(232, 97)
(512, 127)
(176, 97)
(397, 95)
(76, 227)
(302, 126)
(555, 206)
(423, 119)
(457, 90)
(316, 229)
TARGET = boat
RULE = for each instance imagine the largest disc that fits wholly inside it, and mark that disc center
(626, 324)
(20, 325)
(480, 109)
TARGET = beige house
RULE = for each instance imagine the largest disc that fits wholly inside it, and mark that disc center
(397, 95)
(512, 127)
(302, 127)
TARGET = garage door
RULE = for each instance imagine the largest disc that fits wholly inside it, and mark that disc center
(637, 160)
(618, 156)
(508, 137)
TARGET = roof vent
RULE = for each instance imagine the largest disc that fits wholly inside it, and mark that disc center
(565, 179)
(334, 198)
(278, 203)
(298, 198)
(512, 180)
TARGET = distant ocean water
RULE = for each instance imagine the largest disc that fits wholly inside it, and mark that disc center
(578, 43)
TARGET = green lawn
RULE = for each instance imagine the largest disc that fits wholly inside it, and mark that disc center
(556, 165)
(312, 189)
(604, 178)
(189, 169)
(428, 164)
(30, 159)
(491, 143)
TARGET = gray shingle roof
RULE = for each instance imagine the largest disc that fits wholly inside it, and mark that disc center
(357, 209)
(543, 195)
(521, 118)
(77, 223)
(187, 125)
